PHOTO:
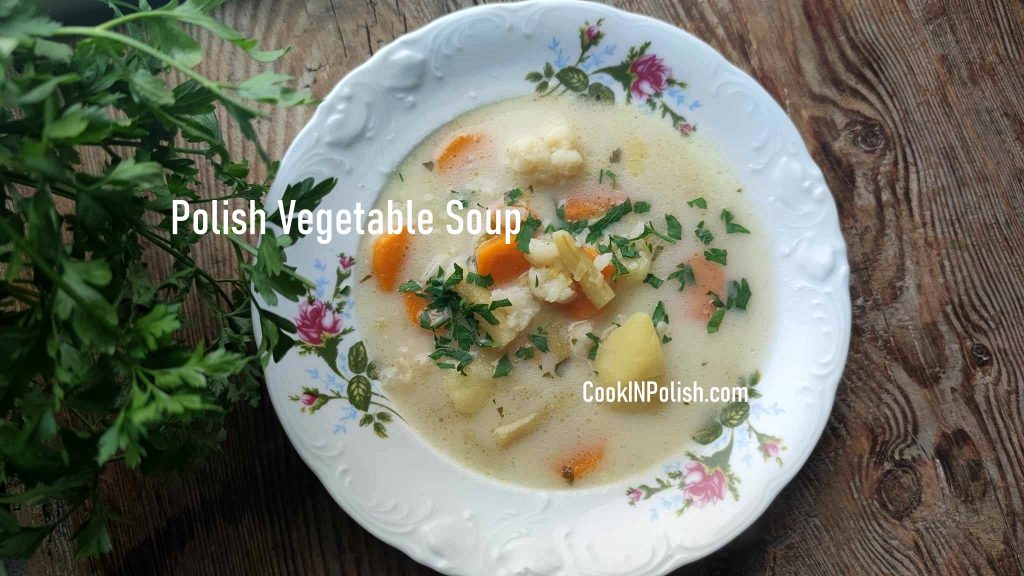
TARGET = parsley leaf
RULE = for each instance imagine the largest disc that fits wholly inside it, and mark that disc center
(673, 228)
(730, 226)
(612, 216)
(703, 234)
(503, 368)
(653, 281)
(592, 352)
(539, 340)
(526, 232)
(659, 314)
(718, 255)
(698, 203)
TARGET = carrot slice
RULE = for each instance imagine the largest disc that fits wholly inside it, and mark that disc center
(585, 207)
(582, 462)
(710, 277)
(389, 252)
(414, 306)
(503, 261)
(580, 308)
(455, 151)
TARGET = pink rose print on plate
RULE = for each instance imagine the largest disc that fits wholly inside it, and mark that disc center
(651, 75)
(634, 495)
(308, 398)
(315, 322)
(346, 262)
(703, 485)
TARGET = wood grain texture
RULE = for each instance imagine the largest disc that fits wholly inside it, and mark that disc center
(915, 112)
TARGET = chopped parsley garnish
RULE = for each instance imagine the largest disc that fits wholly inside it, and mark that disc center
(620, 268)
(730, 226)
(650, 229)
(592, 353)
(703, 234)
(739, 294)
(503, 368)
(642, 207)
(606, 173)
(525, 352)
(540, 339)
(659, 314)
(666, 339)
(716, 255)
(698, 203)
(673, 228)
(453, 320)
(429, 165)
(526, 232)
(482, 281)
(512, 195)
(616, 156)
(574, 227)
(627, 247)
(653, 281)
(715, 320)
(739, 297)
(612, 216)
(683, 273)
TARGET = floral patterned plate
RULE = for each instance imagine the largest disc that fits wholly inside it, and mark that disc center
(326, 390)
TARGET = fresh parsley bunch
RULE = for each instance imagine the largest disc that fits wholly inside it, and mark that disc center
(94, 367)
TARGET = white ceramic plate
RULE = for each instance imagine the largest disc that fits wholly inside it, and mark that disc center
(459, 522)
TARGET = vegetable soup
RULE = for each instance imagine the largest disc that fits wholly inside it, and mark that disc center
(639, 259)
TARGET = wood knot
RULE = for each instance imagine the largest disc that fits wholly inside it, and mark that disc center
(961, 463)
(899, 490)
(981, 354)
(867, 134)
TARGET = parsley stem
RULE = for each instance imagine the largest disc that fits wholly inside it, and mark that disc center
(241, 243)
(180, 256)
(47, 270)
(210, 85)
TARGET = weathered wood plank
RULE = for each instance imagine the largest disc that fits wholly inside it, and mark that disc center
(914, 112)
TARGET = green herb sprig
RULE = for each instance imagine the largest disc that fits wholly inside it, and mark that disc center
(95, 367)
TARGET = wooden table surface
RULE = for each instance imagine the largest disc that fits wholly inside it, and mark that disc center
(915, 112)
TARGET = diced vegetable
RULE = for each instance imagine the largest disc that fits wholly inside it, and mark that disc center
(414, 306)
(509, 433)
(587, 207)
(455, 151)
(581, 267)
(559, 342)
(542, 252)
(470, 392)
(608, 270)
(582, 462)
(551, 284)
(630, 352)
(710, 277)
(512, 320)
(503, 261)
(389, 253)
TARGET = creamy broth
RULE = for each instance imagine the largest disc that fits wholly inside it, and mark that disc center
(652, 164)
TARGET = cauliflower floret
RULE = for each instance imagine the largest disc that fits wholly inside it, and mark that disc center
(551, 284)
(554, 158)
(566, 163)
(530, 155)
(518, 316)
(561, 138)
(542, 252)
